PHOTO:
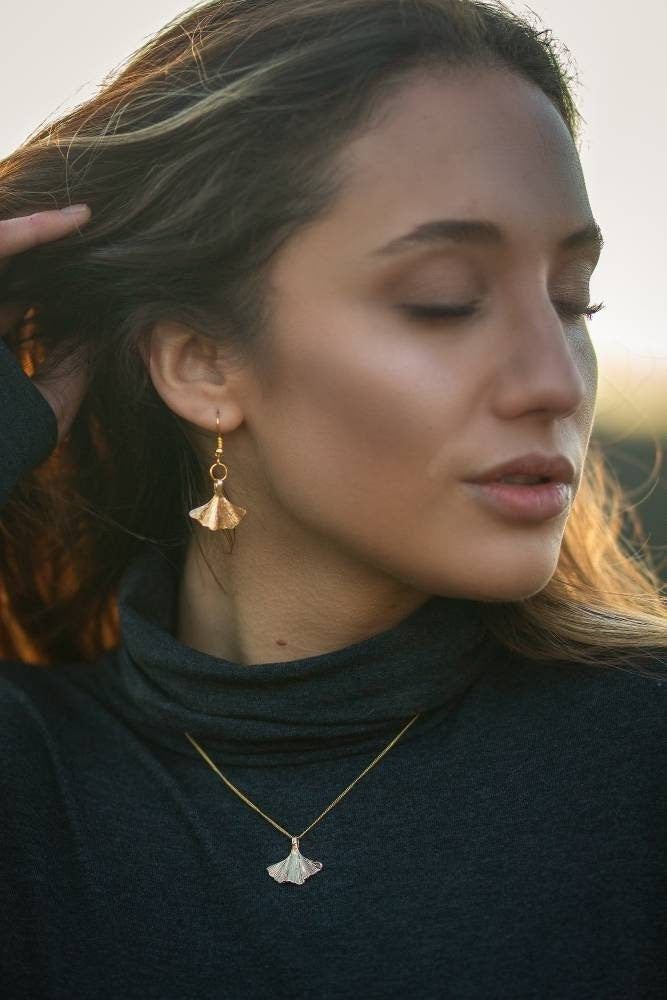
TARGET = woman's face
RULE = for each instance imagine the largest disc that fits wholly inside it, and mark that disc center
(372, 419)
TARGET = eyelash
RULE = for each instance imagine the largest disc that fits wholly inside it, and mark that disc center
(434, 313)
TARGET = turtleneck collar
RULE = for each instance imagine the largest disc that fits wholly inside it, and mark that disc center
(312, 708)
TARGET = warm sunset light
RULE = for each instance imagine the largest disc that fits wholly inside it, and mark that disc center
(624, 153)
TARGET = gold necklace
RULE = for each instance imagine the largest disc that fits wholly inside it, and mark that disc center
(296, 868)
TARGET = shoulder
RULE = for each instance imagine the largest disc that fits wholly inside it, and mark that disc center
(584, 740)
(48, 728)
(40, 703)
(641, 676)
(613, 708)
(54, 729)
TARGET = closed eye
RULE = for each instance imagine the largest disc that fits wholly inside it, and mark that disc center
(438, 312)
(434, 312)
(575, 311)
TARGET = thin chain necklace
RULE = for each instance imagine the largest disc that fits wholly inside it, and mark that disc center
(296, 868)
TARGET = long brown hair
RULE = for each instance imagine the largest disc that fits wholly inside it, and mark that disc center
(206, 151)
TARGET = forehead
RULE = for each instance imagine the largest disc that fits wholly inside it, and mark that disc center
(475, 143)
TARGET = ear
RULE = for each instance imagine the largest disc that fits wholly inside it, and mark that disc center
(192, 375)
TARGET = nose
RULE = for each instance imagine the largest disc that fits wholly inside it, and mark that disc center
(546, 363)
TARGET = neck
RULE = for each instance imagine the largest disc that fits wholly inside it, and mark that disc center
(260, 604)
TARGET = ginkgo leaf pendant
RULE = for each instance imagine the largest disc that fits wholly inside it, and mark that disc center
(295, 868)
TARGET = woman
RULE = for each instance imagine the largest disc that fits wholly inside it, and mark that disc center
(404, 737)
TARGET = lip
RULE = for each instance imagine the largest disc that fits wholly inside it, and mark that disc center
(533, 503)
(557, 468)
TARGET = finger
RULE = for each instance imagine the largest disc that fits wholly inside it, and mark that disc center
(27, 231)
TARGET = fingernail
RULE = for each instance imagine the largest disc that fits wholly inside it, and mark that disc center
(73, 209)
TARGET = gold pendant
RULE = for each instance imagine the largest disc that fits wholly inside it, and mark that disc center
(219, 512)
(295, 868)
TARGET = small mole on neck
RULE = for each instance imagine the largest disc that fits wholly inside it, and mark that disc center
(281, 642)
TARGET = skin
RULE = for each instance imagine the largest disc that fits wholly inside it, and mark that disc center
(351, 453)
(350, 457)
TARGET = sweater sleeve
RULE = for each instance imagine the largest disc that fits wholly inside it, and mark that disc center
(28, 425)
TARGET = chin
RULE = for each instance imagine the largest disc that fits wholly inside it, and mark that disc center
(491, 577)
(506, 594)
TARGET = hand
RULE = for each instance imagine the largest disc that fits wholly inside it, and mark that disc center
(65, 387)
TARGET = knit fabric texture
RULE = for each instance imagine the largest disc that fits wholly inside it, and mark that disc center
(510, 845)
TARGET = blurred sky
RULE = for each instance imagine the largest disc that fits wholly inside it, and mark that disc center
(55, 56)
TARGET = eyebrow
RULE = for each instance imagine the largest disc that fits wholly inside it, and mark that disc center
(482, 233)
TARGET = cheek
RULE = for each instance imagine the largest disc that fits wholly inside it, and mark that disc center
(352, 421)
(587, 363)
(364, 440)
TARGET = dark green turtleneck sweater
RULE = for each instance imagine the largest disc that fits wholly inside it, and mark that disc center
(511, 845)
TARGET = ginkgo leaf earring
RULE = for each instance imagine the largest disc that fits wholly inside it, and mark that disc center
(219, 512)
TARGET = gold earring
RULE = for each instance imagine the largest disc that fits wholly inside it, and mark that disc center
(219, 512)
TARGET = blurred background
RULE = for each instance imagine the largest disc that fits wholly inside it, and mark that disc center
(62, 52)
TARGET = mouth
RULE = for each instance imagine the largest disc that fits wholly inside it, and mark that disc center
(523, 480)
(539, 499)
(531, 470)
